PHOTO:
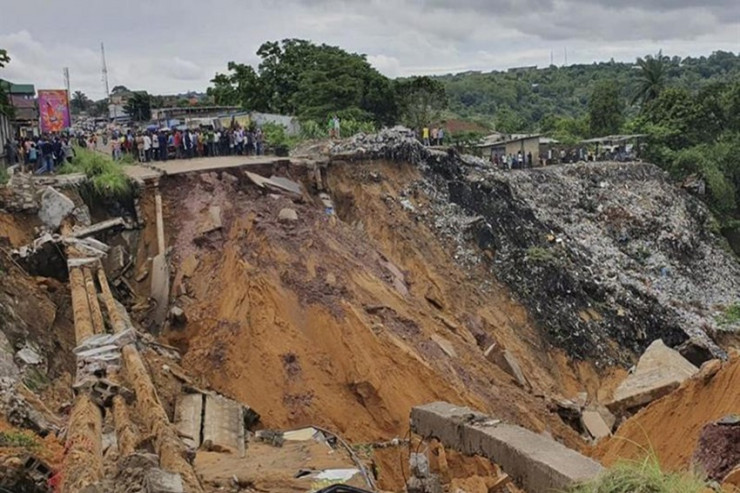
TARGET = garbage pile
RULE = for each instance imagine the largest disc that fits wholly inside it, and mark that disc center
(598, 252)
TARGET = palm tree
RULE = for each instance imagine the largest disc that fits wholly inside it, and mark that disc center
(79, 102)
(652, 79)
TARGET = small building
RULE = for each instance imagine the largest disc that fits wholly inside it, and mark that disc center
(25, 117)
(502, 145)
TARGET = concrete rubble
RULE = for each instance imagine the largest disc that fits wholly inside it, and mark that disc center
(213, 421)
(535, 462)
(659, 371)
(275, 183)
(632, 251)
(55, 207)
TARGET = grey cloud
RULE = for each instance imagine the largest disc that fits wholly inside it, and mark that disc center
(173, 47)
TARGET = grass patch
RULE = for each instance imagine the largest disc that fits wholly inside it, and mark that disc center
(730, 316)
(17, 439)
(540, 255)
(106, 176)
(645, 476)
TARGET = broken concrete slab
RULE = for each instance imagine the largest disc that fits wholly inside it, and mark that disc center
(505, 359)
(223, 424)
(287, 216)
(275, 183)
(659, 371)
(28, 356)
(84, 232)
(55, 207)
(594, 424)
(188, 418)
(160, 288)
(212, 221)
(301, 435)
(536, 462)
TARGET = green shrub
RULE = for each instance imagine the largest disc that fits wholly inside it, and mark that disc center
(644, 476)
(106, 176)
(17, 439)
(4, 176)
(540, 255)
(730, 315)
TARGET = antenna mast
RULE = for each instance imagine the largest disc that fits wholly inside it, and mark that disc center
(105, 70)
(65, 71)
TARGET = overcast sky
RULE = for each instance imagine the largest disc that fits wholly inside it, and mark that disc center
(167, 47)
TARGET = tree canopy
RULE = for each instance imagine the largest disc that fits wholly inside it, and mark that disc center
(297, 77)
(605, 109)
(421, 101)
(139, 106)
(79, 102)
(523, 99)
(5, 107)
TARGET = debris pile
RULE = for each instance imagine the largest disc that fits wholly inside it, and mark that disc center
(598, 253)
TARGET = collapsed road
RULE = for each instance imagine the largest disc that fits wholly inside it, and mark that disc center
(335, 291)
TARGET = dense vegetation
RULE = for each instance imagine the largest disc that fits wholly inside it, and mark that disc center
(107, 179)
(315, 82)
(519, 100)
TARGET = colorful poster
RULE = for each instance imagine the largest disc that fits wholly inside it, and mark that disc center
(54, 110)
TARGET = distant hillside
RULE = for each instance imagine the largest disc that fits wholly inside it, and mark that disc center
(519, 99)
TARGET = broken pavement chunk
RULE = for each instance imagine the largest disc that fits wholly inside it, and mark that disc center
(595, 425)
(275, 183)
(659, 371)
(55, 207)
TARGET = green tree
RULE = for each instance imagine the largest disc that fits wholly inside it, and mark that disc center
(605, 109)
(5, 107)
(99, 108)
(310, 81)
(652, 79)
(139, 106)
(421, 101)
(80, 102)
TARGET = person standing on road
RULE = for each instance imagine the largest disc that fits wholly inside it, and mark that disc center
(258, 137)
(116, 149)
(425, 136)
(67, 150)
(162, 142)
(441, 137)
(147, 147)
(155, 147)
(47, 156)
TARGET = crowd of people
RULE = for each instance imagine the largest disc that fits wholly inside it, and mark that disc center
(42, 154)
(161, 145)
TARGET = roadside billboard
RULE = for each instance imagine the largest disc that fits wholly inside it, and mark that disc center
(54, 110)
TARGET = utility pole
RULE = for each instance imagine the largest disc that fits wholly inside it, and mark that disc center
(65, 71)
(565, 51)
(105, 70)
(105, 79)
